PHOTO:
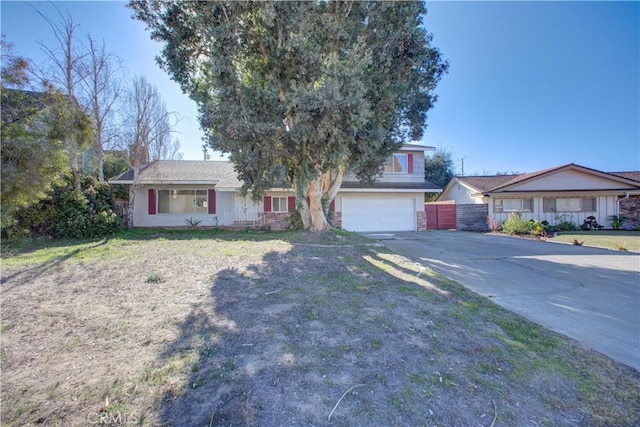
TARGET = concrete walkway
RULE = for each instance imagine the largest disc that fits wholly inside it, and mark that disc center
(591, 295)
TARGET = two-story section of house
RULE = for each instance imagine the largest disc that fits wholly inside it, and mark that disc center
(174, 193)
(395, 202)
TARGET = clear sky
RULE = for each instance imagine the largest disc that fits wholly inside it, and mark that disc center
(530, 85)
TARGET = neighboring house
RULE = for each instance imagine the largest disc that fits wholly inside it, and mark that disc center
(570, 192)
(171, 192)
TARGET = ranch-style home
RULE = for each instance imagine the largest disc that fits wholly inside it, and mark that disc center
(172, 193)
(565, 193)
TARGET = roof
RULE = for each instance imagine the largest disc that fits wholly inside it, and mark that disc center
(634, 176)
(416, 147)
(484, 183)
(220, 173)
(418, 186)
(492, 183)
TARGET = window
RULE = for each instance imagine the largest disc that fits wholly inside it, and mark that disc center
(279, 204)
(570, 204)
(182, 201)
(513, 205)
(397, 164)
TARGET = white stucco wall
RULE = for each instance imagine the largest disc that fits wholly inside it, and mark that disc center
(461, 195)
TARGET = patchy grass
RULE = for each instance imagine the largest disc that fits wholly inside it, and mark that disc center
(264, 329)
(609, 239)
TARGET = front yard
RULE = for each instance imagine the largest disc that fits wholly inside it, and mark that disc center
(269, 329)
(619, 240)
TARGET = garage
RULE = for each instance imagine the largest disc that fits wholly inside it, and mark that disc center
(377, 214)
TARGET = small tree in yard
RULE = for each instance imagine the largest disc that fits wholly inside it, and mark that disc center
(301, 92)
(439, 168)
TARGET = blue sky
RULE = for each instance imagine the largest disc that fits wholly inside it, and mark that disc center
(530, 85)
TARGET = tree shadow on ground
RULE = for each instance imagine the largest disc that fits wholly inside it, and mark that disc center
(21, 276)
(281, 340)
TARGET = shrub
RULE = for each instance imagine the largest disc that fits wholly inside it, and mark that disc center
(493, 224)
(616, 221)
(295, 221)
(68, 212)
(515, 225)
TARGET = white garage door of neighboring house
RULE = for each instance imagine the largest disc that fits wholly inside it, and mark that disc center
(363, 214)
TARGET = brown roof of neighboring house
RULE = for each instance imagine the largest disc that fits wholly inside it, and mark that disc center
(635, 176)
(484, 184)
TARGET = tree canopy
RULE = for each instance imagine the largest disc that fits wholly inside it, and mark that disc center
(301, 92)
(36, 128)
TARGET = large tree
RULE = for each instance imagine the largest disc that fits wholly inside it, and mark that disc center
(91, 76)
(37, 127)
(301, 92)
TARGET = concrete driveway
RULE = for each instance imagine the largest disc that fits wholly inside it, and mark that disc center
(591, 295)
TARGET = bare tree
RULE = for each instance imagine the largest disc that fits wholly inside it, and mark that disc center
(65, 71)
(147, 128)
(101, 89)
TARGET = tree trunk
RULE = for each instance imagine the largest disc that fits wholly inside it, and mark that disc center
(302, 205)
(132, 199)
(318, 219)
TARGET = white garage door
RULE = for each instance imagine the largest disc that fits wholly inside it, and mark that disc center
(364, 214)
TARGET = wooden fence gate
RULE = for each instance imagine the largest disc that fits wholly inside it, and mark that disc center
(441, 215)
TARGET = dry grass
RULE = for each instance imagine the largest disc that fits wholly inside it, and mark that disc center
(193, 328)
(609, 239)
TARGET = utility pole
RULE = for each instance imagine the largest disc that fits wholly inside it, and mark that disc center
(462, 164)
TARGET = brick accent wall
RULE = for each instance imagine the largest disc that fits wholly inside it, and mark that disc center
(421, 221)
(276, 221)
(630, 207)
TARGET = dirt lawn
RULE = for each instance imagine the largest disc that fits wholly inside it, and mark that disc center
(279, 329)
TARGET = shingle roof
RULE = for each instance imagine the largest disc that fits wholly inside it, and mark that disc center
(634, 176)
(175, 171)
(488, 183)
(220, 173)
(485, 183)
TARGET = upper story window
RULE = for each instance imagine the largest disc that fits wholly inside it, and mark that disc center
(398, 163)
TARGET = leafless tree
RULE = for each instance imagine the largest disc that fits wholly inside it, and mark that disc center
(101, 88)
(147, 128)
(65, 71)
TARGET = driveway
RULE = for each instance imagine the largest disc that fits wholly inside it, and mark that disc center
(591, 295)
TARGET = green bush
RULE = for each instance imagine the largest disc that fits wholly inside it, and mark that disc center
(617, 221)
(515, 225)
(71, 213)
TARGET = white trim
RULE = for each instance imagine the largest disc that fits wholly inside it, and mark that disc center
(387, 190)
(177, 182)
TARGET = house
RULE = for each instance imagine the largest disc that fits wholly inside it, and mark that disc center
(173, 192)
(565, 193)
